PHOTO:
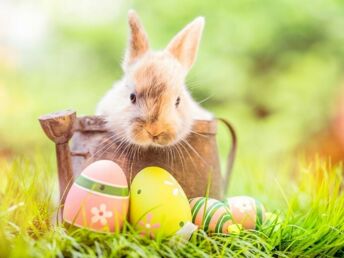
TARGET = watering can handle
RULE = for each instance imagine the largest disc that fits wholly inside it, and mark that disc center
(231, 155)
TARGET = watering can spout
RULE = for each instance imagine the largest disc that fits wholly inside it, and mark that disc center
(59, 128)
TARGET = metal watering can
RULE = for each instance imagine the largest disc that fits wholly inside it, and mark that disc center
(195, 164)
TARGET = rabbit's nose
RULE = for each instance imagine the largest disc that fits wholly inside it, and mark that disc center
(154, 131)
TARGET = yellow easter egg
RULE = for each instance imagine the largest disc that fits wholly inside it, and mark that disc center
(158, 204)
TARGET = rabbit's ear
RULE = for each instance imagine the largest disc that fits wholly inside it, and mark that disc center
(138, 40)
(184, 45)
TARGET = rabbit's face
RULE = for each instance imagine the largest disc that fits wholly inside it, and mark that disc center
(151, 106)
(157, 101)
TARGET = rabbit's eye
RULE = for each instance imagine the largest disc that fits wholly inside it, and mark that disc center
(177, 101)
(133, 98)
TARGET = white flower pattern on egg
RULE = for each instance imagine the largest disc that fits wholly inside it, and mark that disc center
(175, 190)
(100, 214)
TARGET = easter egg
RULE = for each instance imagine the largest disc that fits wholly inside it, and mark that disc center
(158, 204)
(246, 211)
(99, 198)
(211, 215)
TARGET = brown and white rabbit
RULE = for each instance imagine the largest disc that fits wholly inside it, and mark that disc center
(151, 105)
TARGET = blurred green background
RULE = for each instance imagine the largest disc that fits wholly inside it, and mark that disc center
(273, 68)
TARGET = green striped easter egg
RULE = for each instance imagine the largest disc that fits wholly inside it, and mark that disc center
(211, 215)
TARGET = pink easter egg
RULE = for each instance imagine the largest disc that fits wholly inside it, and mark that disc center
(246, 211)
(99, 198)
(211, 215)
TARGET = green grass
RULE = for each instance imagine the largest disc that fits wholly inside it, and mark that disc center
(306, 198)
(288, 68)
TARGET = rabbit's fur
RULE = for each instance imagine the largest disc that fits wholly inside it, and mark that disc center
(150, 105)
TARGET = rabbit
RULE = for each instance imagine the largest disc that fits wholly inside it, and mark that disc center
(151, 105)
